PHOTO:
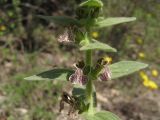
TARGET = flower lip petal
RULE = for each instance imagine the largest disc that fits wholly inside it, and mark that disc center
(84, 79)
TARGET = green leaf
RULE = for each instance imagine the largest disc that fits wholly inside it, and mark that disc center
(61, 20)
(96, 45)
(113, 21)
(124, 68)
(103, 115)
(78, 90)
(87, 22)
(92, 3)
(58, 74)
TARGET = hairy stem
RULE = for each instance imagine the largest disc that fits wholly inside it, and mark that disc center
(88, 58)
(89, 86)
(89, 94)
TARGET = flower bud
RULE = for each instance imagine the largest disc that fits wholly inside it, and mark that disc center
(87, 12)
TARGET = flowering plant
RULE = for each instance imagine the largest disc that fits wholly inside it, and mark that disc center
(86, 72)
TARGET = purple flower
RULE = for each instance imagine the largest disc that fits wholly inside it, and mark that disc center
(78, 77)
(105, 74)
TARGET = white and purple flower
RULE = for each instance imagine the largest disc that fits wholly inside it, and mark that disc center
(78, 77)
(105, 74)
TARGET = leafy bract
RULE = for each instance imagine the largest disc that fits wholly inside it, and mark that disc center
(80, 93)
(113, 21)
(92, 3)
(61, 20)
(124, 68)
(54, 74)
(78, 90)
(102, 115)
(96, 45)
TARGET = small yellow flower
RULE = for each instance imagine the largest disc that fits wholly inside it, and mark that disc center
(95, 34)
(139, 41)
(2, 28)
(147, 82)
(154, 72)
(143, 75)
(107, 59)
(141, 55)
(150, 84)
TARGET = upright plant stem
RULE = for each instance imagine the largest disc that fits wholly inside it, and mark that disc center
(89, 93)
(89, 86)
(89, 58)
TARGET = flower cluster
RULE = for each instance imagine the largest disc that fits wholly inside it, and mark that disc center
(148, 82)
(101, 71)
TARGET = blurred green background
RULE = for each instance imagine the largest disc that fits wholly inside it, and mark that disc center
(28, 45)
